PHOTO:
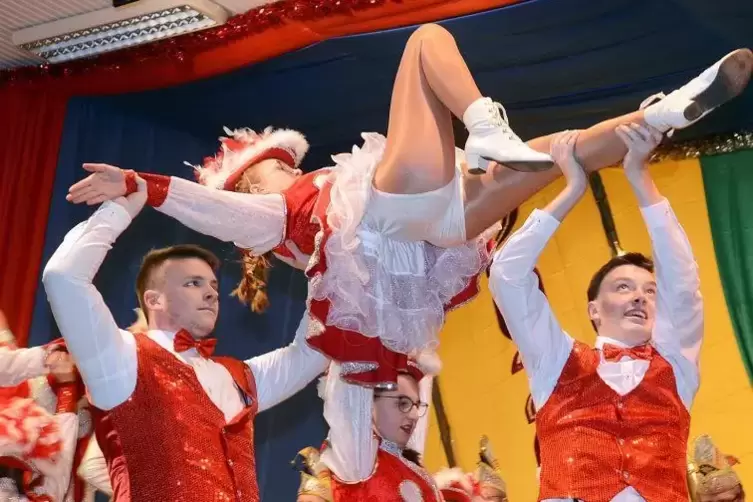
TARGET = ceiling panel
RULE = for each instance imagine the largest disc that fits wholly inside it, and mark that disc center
(17, 14)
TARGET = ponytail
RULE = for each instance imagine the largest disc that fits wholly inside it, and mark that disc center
(252, 290)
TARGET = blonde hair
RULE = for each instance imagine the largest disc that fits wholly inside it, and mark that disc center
(141, 325)
(252, 289)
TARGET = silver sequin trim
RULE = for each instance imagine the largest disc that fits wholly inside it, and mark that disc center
(351, 367)
(395, 450)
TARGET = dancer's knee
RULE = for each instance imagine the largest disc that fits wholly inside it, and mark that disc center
(427, 32)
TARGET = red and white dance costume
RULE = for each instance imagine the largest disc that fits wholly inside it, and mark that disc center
(364, 466)
(612, 423)
(40, 423)
(149, 390)
(384, 268)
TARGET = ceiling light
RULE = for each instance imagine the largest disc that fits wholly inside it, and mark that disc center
(112, 29)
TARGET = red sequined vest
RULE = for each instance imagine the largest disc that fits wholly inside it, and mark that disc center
(169, 442)
(393, 475)
(595, 443)
(300, 200)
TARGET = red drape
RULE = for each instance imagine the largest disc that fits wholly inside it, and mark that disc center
(29, 139)
(33, 114)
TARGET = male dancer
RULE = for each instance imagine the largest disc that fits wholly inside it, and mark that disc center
(162, 387)
(612, 420)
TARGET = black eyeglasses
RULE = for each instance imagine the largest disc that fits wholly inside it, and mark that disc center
(405, 404)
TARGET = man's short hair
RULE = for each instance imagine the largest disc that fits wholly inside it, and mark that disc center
(635, 259)
(155, 258)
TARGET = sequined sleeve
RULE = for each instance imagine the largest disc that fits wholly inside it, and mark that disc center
(283, 372)
(347, 409)
(678, 330)
(104, 355)
(251, 221)
(544, 347)
(19, 365)
(93, 468)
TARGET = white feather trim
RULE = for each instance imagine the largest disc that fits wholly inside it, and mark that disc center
(446, 477)
(321, 386)
(215, 174)
(428, 362)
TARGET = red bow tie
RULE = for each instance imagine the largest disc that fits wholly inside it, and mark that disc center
(184, 341)
(614, 353)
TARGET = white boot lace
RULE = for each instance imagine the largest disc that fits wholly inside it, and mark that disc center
(498, 118)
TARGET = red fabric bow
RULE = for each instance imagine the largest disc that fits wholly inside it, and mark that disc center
(614, 353)
(184, 341)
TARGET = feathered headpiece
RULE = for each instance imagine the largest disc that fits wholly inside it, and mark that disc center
(242, 148)
(315, 477)
(487, 471)
(709, 471)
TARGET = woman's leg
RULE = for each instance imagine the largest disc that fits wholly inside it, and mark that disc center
(432, 83)
(494, 194)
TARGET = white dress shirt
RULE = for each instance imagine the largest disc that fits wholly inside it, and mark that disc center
(545, 348)
(19, 365)
(106, 355)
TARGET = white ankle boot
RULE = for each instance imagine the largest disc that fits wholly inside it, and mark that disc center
(693, 101)
(491, 139)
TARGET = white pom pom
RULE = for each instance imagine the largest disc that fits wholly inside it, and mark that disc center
(428, 362)
(446, 477)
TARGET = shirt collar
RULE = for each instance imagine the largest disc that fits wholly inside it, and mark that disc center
(601, 340)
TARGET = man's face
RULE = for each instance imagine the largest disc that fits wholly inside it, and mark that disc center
(186, 291)
(625, 307)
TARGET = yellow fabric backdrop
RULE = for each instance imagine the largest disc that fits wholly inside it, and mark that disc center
(482, 396)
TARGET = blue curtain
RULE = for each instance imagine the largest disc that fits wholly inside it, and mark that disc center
(555, 64)
(95, 130)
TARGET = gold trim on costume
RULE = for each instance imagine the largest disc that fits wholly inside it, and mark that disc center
(487, 470)
(315, 477)
(709, 471)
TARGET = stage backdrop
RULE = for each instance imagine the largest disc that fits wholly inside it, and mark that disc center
(555, 64)
(483, 396)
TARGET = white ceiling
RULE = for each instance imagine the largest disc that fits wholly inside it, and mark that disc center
(17, 14)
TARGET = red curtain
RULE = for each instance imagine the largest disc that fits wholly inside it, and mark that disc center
(33, 107)
(29, 140)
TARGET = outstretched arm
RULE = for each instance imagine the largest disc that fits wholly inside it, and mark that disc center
(284, 372)
(544, 347)
(679, 305)
(104, 354)
(18, 365)
(251, 221)
(352, 450)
